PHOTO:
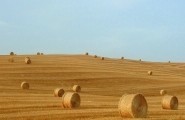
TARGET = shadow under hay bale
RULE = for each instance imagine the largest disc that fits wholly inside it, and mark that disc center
(163, 92)
(58, 92)
(71, 100)
(170, 102)
(150, 72)
(27, 60)
(25, 85)
(76, 88)
(133, 106)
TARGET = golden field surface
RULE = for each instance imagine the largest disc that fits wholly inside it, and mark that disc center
(103, 82)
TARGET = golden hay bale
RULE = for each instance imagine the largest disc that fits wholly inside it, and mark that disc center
(170, 102)
(95, 56)
(150, 72)
(27, 60)
(102, 58)
(76, 88)
(86, 53)
(71, 100)
(38, 53)
(163, 92)
(11, 53)
(11, 60)
(133, 106)
(25, 85)
(58, 92)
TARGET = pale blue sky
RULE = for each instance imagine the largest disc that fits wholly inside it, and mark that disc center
(148, 29)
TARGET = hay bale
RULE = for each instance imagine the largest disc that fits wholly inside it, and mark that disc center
(169, 61)
(71, 100)
(140, 60)
(133, 106)
(58, 92)
(86, 53)
(27, 60)
(25, 85)
(102, 58)
(95, 56)
(11, 53)
(163, 92)
(38, 53)
(41, 53)
(11, 60)
(76, 88)
(150, 72)
(170, 102)
(122, 58)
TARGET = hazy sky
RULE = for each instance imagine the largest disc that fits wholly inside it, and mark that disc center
(148, 29)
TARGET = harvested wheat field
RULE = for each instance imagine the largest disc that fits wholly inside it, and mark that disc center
(103, 83)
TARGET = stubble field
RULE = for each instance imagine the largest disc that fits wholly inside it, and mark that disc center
(103, 82)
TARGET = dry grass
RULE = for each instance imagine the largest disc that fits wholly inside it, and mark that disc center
(11, 60)
(103, 85)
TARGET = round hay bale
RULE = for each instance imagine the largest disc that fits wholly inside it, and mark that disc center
(11, 53)
(25, 85)
(150, 72)
(140, 60)
(27, 60)
(41, 53)
(76, 88)
(11, 60)
(58, 92)
(122, 58)
(102, 58)
(38, 53)
(133, 106)
(169, 61)
(95, 56)
(170, 102)
(86, 53)
(163, 92)
(71, 100)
